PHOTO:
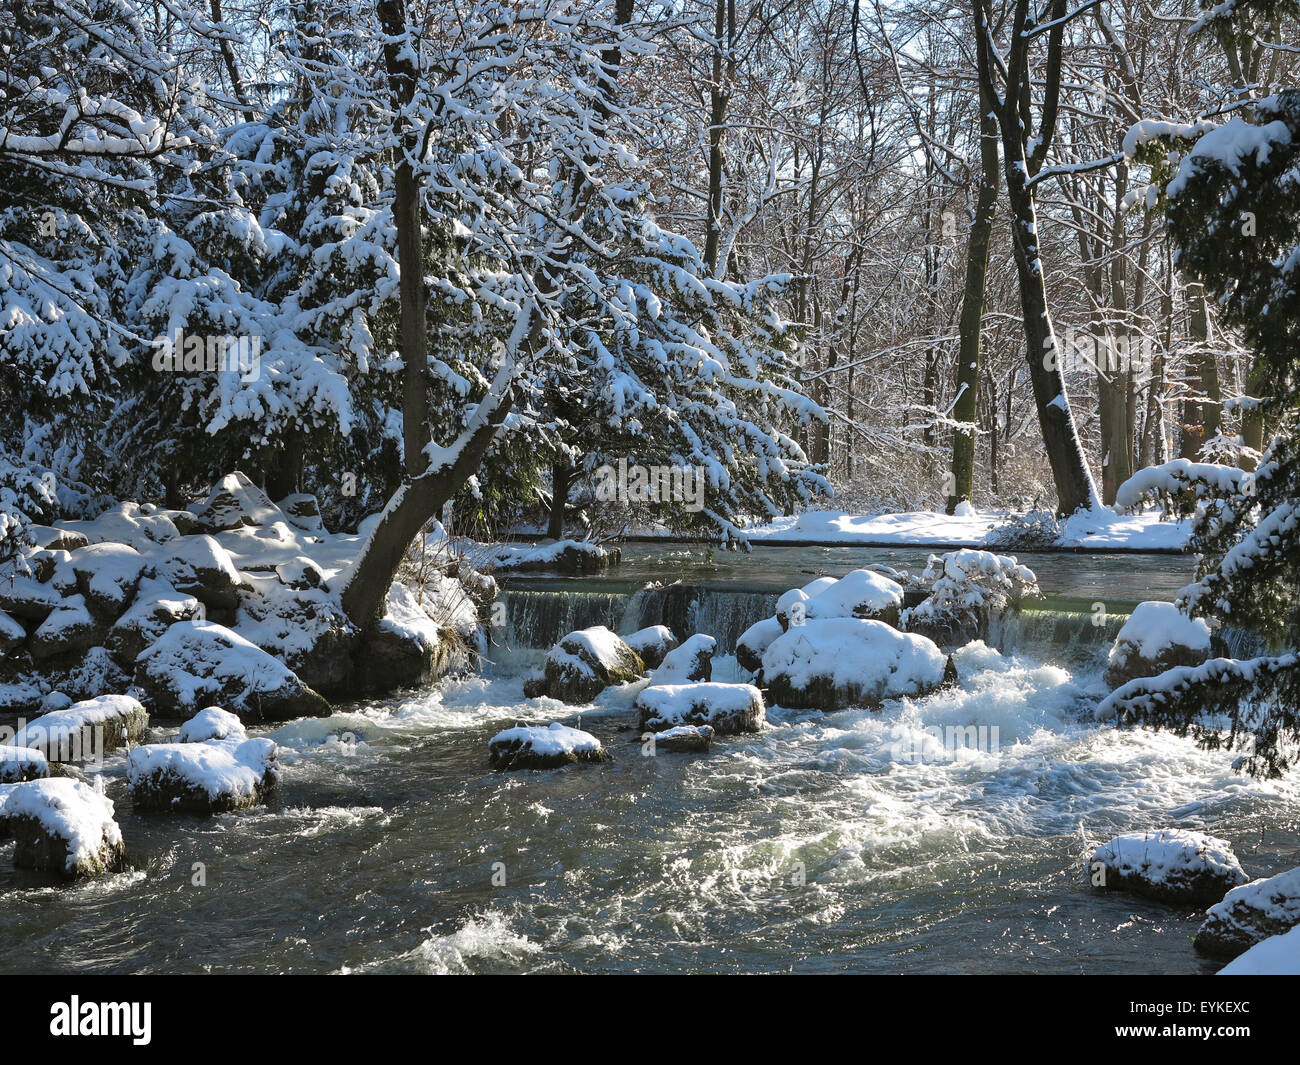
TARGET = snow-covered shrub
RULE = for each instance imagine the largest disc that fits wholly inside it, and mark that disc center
(966, 588)
(1036, 530)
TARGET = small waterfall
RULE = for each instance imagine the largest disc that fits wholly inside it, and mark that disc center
(1069, 637)
(723, 613)
(540, 619)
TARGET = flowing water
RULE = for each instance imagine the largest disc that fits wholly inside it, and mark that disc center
(828, 843)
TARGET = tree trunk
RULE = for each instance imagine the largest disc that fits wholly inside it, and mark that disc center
(1201, 409)
(561, 480)
(971, 322)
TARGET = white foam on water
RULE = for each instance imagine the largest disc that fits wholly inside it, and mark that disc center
(483, 938)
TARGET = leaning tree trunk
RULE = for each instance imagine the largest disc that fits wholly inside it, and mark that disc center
(1074, 485)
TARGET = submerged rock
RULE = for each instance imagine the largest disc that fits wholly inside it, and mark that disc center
(684, 739)
(198, 663)
(1249, 914)
(832, 663)
(588, 661)
(692, 661)
(61, 826)
(725, 708)
(652, 644)
(1156, 637)
(537, 747)
(1169, 865)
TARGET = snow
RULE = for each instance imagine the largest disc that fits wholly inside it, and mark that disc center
(1154, 627)
(1274, 956)
(1229, 145)
(602, 645)
(1273, 900)
(554, 739)
(1102, 528)
(651, 638)
(69, 810)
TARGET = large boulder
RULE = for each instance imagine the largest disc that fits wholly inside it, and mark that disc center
(157, 607)
(234, 502)
(107, 576)
(303, 511)
(725, 708)
(1169, 865)
(213, 775)
(692, 661)
(537, 747)
(69, 628)
(198, 566)
(1156, 637)
(1250, 913)
(831, 663)
(198, 663)
(125, 523)
(87, 730)
(588, 661)
(61, 826)
(651, 644)
(793, 605)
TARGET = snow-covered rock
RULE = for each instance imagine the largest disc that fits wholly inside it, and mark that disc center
(1249, 914)
(303, 511)
(1156, 637)
(108, 575)
(199, 566)
(48, 538)
(1274, 956)
(212, 723)
(588, 661)
(27, 598)
(692, 661)
(563, 556)
(726, 708)
(62, 826)
(156, 608)
(234, 502)
(22, 763)
(651, 644)
(831, 663)
(684, 739)
(199, 663)
(68, 628)
(754, 641)
(12, 635)
(86, 730)
(1170, 865)
(862, 593)
(538, 747)
(300, 573)
(208, 776)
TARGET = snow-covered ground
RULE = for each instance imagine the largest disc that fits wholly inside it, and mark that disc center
(1103, 529)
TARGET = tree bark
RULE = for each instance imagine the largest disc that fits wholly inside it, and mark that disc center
(971, 322)
(561, 480)
(1201, 409)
